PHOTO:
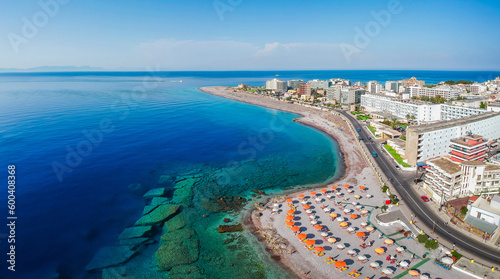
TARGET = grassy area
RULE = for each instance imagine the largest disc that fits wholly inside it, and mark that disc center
(403, 125)
(363, 117)
(402, 137)
(355, 112)
(396, 156)
(372, 129)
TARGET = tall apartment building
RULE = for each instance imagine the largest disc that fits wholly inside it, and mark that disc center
(433, 140)
(304, 89)
(316, 83)
(349, 96)
(413, 82)
(374, 87)
(277, 85)
(294, 84)
(446, 92)
(468, 148)
(395, 86)
(454, 112)
(477, 88)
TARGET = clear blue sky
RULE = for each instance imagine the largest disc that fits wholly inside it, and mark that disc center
(253, 35)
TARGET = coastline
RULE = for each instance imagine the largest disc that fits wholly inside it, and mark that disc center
(334, 127)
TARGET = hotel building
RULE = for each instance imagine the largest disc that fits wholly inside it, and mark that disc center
(277, 85)
(443, 91)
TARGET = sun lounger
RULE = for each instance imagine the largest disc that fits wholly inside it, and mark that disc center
(343, 269)
(356, 275)
(328, 259)
(352, 272)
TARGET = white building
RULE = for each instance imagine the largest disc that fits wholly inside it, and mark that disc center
(277, 85)
(373, 87)
(485, 214)
(446, 92)
(477, 88)
(316, 84)
(454, 112)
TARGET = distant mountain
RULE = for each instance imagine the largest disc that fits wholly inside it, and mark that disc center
(52, 69)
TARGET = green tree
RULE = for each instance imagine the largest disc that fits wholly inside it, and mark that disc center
(422, 238)
(407, 117)
(431, 244)
(463, 210)
(483, 105)
(383, 208)
(385, 188)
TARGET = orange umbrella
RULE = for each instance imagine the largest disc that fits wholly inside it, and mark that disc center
(334, 188)
(362, 187)
(291, 223)
(318, 227)
(313, 193)
(302, 236)
(289, 200)
(310, 242)
(413, 272)
(333, 215)
(343, 224)
(319, 249)
(295, 229)
(306, 206)
(339, 264)
(389, 241)
(323, 190)
(354, 216)
(360, 234)
(347, 185)
(301, 196)
(291, 211)
(379, 250)
(289, 218)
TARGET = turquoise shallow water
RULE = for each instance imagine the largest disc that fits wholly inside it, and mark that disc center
(69, 207)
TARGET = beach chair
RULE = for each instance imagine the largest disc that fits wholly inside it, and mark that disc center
(352, 272)
(328, 259)
(331, 261)
(356, 275)
(344, 269)
(321, 254)
(310, 247)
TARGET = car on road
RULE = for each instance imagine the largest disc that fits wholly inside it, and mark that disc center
(374, 154)
(424, 198)
(360, 138)
(359, 129)
(397, 167)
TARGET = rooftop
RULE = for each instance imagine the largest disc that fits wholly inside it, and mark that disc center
(452, 123)
(480, 224)
(485, 205)
(459, 203)
(462, 141)
(399, 142)
(446, 165)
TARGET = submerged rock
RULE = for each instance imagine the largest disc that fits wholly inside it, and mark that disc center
(178, 222)
(180, 247)
(186, 272)
(223, 204)
(159, 214)
(137, 189)
(134, 232)
(155, 202)
(183, 193)
(230, 228)
(134, 242)
(157, 192)
(110, 256)
(164, 179)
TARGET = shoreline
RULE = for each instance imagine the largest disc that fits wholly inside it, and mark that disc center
(309, 117)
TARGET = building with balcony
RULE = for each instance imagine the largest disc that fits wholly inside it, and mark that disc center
(468, 148)
(443, 178)
(277, 85)
(294, 84)
(446, 92)
(484, 214)
(304, 89)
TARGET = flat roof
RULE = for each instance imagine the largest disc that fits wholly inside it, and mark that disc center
(446, 165)
(481, 224)
(485, 205)
(399, 142)
(452, 123)
(463, 142)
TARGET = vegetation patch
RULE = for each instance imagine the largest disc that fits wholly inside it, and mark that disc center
(396, 156)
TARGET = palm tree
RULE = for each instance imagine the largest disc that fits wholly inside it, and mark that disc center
(394, 121)
(412, 118)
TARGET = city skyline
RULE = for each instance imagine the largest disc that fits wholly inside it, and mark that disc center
(257, 35)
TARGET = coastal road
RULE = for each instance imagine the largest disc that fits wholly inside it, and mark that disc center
(408, 194)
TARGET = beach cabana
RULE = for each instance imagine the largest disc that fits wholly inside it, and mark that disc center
(363, 224)
(400, 250)
(324, 234)
(403, 264)
(351, 253)
(324, 191)
(340, 219)
(423, 276)
(334, 188)
(357, 197)
(333, 215)
(314, 222)
(362, 259)
(347, 185)
(309, 211)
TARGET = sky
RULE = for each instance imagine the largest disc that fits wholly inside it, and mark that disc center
(251, 35)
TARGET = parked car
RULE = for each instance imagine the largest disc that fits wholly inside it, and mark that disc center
(424, 198)
(374, 154)
(359, 129)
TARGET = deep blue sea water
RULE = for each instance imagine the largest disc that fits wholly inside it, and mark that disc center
(70, 206)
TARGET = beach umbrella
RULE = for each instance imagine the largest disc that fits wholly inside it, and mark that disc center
(340, 219)
(389, 241)
(347, 185)
(302, 236)
(333, 215)
(369, 228)
(400, 249)
(362, 258)
(447, 260)
(303, 202)
(332, 240)
(318, 227)
(289, 200)
(387, 271)
(289, 218)
(339, 264)
(363, 224)
(276, 204)
(404, 264)
(314, 222)
(295, 229)
(313, 193)
(301, 196)
(374, 264)
(362, 187)
(324, 234)
(413, 272)
(310, 242)
(326, 209)
(423, 276)
(368, 196)
(334, 188)
(323, 190)
(309, 211)
(351, 252)
(379, 250)
(319, 249)
(343, 224)
(347, 210)
(364, 211)
(291, 211)
(360, 234)
(350, 229)
(357, 197)
(354, 216)
(354, 203)
(291, 223)
(341, 246)
(306, 206)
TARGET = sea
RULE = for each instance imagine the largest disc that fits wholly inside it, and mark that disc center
(85, 146)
